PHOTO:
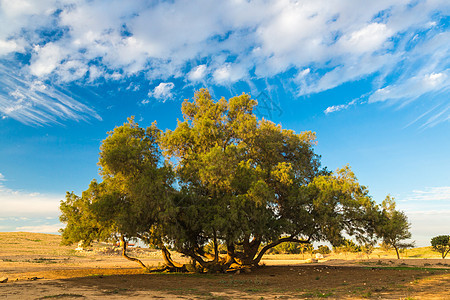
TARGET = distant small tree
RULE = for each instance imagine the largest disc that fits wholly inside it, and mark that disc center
(346, 246)
(441, 244)
(287, 248)
(305, 248)
(394, 226)
(385, 247)
(323, 249)
(367, 249)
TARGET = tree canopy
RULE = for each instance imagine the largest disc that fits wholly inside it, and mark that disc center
(129, 201)
(393, 227)
(441, 244)
(222, 180)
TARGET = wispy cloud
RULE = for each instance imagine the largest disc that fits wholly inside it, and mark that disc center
(427, 224)
(32, 101)
(413, 87)
(54, 228)
(404, 45)
(427, 210)
(430, 194)
(336, 108)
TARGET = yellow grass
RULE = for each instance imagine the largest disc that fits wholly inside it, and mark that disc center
(26, 243)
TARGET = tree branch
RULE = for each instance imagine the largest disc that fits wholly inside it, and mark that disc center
(124, 253)
(273, 244)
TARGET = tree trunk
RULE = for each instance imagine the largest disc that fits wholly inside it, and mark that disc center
(247, 256)
(124, 254)
(216, 248)
(396, 250)
(230, 259)
(168, 258)
(444, 253)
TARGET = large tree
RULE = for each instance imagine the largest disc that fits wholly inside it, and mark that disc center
(234, 182)
(252, 185)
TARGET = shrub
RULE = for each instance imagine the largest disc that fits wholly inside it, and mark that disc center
(287, 248)
(441, 244)
(323, 249)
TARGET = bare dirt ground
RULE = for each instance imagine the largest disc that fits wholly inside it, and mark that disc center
(38, 268)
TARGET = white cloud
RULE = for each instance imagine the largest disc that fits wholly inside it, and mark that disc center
(222, 74)
(46, 59)
(23, 204)
(427, 224)
(19, 8)
(365, 40)
(437, 118)
(72, 70)
(162, 91)
(413, 87)
(337, 42)
(335, 108)
(197, 73)
(435, 85)
(95, 72)
(431, 194)
(229, 73)
(17, 203)
(427, 210)
(7, 47)
(133, 87)
(54, 228)
(434, 79)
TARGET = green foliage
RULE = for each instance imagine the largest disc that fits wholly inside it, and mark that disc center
(347, 245)
(368, 248)
(230, 182)
(441, 244)
(306, 248)
(128, 200)
(247, 182)
(323, 249)
(385, 247)
(293, 248)
(209, 248)
(287, 248)
(393, 227)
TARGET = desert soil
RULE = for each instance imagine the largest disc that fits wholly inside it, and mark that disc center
(38, 268)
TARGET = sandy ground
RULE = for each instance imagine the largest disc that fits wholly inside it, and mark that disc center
(38, 268)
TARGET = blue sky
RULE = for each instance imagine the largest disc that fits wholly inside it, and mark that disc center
(371, 78)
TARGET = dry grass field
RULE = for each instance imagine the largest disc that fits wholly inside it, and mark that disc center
(37, 267)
